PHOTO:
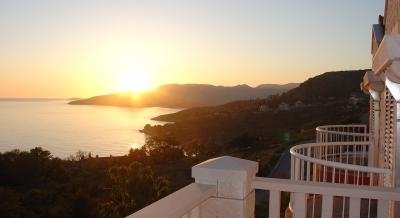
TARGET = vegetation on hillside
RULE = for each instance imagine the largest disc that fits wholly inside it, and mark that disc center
(331, 98)
(36, 184)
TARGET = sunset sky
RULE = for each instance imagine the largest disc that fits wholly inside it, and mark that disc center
(81, 48)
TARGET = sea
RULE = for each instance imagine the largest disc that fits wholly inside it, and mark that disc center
(65, 129)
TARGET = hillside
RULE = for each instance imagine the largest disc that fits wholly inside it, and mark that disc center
(186, 96)
(327, 87)
(241, 125)
(337, 84)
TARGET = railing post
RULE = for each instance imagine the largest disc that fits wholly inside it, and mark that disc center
(396, 167)
(233, 177)
(373, 150)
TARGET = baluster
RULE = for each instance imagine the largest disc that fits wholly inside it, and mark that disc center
(371, 179)
(355, 204)
(275, 204)
(301, 170)
(327, 206)
(383, 208)
(343, 205)
(321, 172)
(308, 163)
(299, 207)
(369, 207)
(313, 206)
(292, 174)
(297, 168)
(326, 152)
(314, 173)
(364, 155)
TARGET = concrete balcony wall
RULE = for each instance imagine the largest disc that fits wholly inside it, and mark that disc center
(232, 177)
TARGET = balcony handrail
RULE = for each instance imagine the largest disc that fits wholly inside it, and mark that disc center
(345, 166)
(301, 190)
(334, 189)
(325, 129)
(179, 203)
(343, 125)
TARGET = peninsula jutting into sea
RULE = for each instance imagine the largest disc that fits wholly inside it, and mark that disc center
(186, 95)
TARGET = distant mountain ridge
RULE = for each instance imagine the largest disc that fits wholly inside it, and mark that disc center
(287, 86)
(187, 95)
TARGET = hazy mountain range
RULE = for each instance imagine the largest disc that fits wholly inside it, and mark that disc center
(187, 95)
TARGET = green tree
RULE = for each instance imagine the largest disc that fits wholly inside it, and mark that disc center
(132, 188)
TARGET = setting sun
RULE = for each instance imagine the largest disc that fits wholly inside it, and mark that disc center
(133, 81)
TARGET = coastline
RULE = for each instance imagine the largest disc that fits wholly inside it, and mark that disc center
(65, 130)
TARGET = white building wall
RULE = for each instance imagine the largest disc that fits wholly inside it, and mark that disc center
(392, 16)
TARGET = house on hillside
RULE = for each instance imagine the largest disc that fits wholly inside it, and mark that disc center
(299, 104)
(351, 170)
(264, 108)
(354, 99)
(284, 107)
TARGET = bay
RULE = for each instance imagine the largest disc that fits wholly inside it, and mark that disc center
(65, 129)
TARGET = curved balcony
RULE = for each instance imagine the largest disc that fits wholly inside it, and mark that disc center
(336, 162)
(339, 156)
(342, 133)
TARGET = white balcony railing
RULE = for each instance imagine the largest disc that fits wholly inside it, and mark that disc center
(339, 163)
(342, 133)
(342, 154)
(336, 162)
(335, 200)
(224, 187)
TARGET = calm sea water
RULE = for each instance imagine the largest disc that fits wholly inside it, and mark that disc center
(64, 129)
